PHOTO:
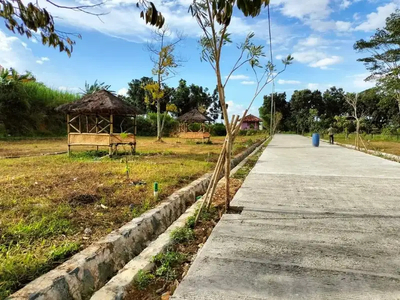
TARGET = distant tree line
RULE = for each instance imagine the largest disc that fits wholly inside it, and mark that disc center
(309, 111)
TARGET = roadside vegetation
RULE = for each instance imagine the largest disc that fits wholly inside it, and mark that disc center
(172, 266)
(53, 206)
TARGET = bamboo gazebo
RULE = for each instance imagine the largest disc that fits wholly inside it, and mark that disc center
(193, 116)
(91, 122)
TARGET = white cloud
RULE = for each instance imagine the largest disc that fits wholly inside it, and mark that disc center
(343, 26)
(377, 19)
(279, 57)
(308, 56)
(359, 82)
(238, 77)
(356, 16)
(316, 59)
(282, 81)
(311, 41)
(246, 82)
(314, 9)
(122, 92)
(238, 109)
(345, 4)
(328, 61)
(14, 53)
(41, 60)
(313, 86)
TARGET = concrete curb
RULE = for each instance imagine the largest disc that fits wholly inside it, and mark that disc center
(116, 288)
(90, 269)
(371, 152)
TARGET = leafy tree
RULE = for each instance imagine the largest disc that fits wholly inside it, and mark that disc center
(194, 96)
(95, 87)
(136, 93)
(281, 106)
(301, 103)
(384, 50)
(165, 64)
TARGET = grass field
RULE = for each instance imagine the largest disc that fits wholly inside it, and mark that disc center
(53, 206)
(387, 144)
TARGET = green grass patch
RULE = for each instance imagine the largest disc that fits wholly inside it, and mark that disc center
(166, 262)
(182, 235)
(143, 279)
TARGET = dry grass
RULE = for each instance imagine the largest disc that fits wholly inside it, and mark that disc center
(47, 202)
(391, 147)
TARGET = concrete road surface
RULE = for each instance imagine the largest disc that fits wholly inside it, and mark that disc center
(317, 223)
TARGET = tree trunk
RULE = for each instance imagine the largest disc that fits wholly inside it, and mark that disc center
(158, 122)
(228, 172)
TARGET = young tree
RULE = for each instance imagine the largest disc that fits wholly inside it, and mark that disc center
(165, 64)
(384, 48)
(352, 100)
(214, 18)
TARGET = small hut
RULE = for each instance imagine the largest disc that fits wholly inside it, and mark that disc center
(91, 121)
(193, 116)
(250, 122)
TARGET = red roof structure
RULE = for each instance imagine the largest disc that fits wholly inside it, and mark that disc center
(251, 118)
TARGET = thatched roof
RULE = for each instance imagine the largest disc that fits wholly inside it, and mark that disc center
(101, 102)
(194, 116)
(251, 118)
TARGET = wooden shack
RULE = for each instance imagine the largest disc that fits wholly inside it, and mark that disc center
(251, 122)
(193, 116)
(91, 122)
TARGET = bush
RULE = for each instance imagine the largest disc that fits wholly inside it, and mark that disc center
(218, 130)
(27, 109)
(147, 125)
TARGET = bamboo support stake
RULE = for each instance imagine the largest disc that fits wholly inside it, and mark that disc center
(215, 174)
(68, 131)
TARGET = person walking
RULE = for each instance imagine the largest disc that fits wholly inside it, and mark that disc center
(331, 133)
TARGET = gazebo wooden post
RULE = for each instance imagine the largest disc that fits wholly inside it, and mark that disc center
(97, 130)
(68, 130)
(110, 151)
(80, 124)
(134, 132)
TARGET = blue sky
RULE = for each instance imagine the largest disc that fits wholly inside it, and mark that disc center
(318, 33)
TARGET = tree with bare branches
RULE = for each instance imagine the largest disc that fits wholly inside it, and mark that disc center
(352, 100)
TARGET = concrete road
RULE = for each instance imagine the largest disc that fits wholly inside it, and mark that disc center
(317, 223)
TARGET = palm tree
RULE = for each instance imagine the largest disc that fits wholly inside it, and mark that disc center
(8, 76)
(95, 87)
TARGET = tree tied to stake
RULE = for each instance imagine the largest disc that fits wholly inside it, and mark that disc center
(214, 18)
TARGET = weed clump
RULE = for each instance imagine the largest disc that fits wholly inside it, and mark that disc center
(166, 262)
(182, 235)
(143, 279)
